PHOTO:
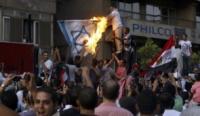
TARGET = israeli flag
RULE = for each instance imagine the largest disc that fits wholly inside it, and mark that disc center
(76, 31)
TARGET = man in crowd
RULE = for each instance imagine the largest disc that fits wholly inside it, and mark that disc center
(87, 100)
(186, 49)
(46, 66)
(115, 21)
(146, 103)
(45, 102)
(110, 91)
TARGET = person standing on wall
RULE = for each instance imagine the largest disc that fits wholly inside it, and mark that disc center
(186, 49)
(115, 20)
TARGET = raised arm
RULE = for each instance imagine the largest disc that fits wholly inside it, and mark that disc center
(116, 59)
(110, 62)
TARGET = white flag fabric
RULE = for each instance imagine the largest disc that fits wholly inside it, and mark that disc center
(75, 32)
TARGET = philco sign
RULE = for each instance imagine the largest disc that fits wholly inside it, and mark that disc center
(153, 30)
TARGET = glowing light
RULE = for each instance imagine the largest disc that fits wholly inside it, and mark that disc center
(101, 25)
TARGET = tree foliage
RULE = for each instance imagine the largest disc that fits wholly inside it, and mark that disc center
(195, 59)
(147, 51)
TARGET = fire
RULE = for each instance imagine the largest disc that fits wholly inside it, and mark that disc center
(101, 25)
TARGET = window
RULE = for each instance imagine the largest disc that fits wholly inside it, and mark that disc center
(152, 13)
(35, 32)
(198, 22)
(130, 9)
(198, 15)
(28, 30)
(6, 28)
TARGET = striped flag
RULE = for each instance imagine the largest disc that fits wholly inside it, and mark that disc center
(164, 57)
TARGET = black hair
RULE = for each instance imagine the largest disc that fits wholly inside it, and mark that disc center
(127, 29)
(110, 89)
(146, 102)
(94, 62)
(185, 96)
(77, 57)
(63, 58)
(9, 99)
(70, 61)
(166, 101)
(77, 60)
(185, 35)
(49, 91)
(129, 104)
(88, 98)
(72, 96)
(39, 82)
(197, 77)
(45, 52)
(165, 75)
(169, 88)
(113, 4)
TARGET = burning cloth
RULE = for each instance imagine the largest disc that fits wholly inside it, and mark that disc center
(85, 34)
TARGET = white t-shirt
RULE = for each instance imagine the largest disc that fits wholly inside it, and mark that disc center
(72, 70)
(185, 47)
(48, 64)
(171, 112)
(116, 20)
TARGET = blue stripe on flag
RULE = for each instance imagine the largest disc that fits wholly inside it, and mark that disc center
(68, 39)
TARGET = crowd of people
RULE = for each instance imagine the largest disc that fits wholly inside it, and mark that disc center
(76, 88)
(84, 87)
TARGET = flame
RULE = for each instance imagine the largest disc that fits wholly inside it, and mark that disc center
(101, 25)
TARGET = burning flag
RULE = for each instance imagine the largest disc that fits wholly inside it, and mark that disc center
(83, 33)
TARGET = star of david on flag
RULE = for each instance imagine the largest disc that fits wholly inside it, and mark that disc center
(75, 32)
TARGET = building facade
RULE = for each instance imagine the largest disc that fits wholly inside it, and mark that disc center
(28, 21)
(160, 19)
(146, 18)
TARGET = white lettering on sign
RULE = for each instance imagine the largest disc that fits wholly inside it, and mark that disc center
(148, 29)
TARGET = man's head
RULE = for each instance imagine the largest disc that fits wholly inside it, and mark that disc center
(110, 90)
(45, 55)
(184, 36)
(113, 6)
(146, 102)
(129, 104)
(77, 60)
(166, 101)
(87, 98)
(9, 99)
(45, 102)
(126, 30)
(164, 78)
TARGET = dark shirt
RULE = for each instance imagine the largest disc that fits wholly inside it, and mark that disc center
(70, 112)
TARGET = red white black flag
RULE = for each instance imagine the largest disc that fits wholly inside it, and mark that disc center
(165, 55)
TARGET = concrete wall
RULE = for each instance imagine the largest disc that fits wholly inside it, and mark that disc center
(188, 13)
(46, 6)
(81, 9)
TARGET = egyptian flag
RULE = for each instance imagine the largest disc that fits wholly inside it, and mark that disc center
(163, 61)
